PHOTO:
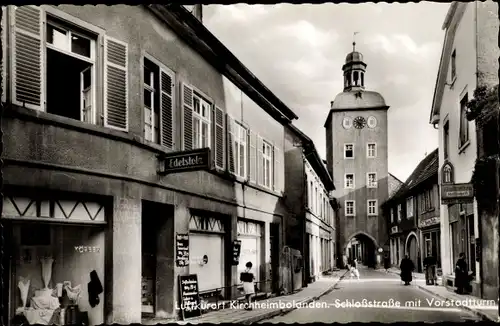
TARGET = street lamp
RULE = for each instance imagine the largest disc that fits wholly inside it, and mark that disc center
(380, 250)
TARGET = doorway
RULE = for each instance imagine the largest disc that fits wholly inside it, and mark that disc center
(275, 250)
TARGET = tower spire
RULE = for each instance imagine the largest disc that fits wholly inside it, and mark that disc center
(354, 41)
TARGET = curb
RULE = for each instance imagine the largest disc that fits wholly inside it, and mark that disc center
(478, 313)
(284, 311)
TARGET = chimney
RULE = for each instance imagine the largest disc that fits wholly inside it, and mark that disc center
(198, 13)
(331, 104)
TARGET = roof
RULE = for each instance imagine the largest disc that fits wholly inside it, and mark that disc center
(397, 179)
(314, 159)
(358, 99)
(426, 169)
(194, 33)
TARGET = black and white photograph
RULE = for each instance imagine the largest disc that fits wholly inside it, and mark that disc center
(206, 163)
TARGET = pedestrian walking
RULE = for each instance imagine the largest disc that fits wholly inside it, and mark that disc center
(407, 267)
(430, 263)
(387, 263)
(354, 269)
(247, 278)
(461, 274)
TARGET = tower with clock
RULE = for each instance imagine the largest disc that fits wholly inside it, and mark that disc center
(357, 159)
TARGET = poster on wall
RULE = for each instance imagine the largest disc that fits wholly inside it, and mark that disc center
(189, 296)
(236, 252)
(182, 249)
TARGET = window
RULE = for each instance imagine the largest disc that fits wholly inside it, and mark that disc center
(453, 65)
(446, 139)
(318, 205)
(400, 212)
(409, 207)
(356, 78)
(311, 197)
(201, 122)
(241, 152)
(362, 79)
(372, 207)
(349, 208)
(464, 123)
(70, 70)
(151, 102)
(371, 150)
(392, 214)
(426, 200)
(267, 160)
(371, 181)
(348, 151)
(349, 181)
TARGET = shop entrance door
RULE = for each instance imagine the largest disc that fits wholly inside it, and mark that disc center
(275, 256)
(149, 250)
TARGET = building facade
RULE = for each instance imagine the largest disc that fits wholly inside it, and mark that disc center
(468, 60)
(356, 138)
(88, 191)
(412, 216)
(308, 188)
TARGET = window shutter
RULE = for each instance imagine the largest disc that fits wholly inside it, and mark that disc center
(278, 171)
(27, 57)
(187, 117)
(116, 84)
(230, 143)
(167, 86)
(252, 156)
(219, 137)
(260, 165)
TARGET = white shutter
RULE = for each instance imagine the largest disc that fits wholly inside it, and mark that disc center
(4, 53)
(278, 170)
(259, 165)
(115, 84)
(27, 57)
(187, 117)
(252, 156)
(219, 138)
(167, 87)
(230, 127)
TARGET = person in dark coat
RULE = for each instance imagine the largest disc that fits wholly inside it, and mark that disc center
(387, 263)
(430, 263)
(407, 267)
(461, 274)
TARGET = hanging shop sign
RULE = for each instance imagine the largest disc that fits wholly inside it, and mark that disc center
(192, 160)
(189, 296)
(236, 252)
(457, 193)
(182, 249)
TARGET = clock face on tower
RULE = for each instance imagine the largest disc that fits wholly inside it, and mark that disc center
(359, 122)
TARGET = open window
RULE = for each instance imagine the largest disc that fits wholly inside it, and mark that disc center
(70, 71)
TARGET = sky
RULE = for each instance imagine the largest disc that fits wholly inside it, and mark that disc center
(298, 51)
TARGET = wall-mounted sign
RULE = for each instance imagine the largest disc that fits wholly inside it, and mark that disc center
(193, 160)
(236, 252)
(457, 193)
(182, 249)
(429, 221)
(189, 296)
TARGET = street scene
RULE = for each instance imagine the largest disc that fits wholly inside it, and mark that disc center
(286, 163)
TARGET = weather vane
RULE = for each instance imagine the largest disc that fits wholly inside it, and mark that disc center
(354, 41)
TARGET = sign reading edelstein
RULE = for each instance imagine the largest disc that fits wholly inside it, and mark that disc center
(457, 193)
(192, 160)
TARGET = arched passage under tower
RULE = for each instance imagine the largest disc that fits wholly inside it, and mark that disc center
(363, 247)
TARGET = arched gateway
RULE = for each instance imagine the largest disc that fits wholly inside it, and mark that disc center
(363, 247)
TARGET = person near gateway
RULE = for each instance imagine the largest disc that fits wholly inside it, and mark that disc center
(247, 278)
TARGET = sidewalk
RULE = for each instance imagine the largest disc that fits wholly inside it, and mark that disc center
(477, 306)
(473, 304)
(275, 306)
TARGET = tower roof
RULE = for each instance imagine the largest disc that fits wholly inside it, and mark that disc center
(354, 56)
(358, 99)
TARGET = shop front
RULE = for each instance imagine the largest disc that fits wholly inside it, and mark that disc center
(56, 273)
(431, 238)
(250, 234)
(314, 252)
(207, 238)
